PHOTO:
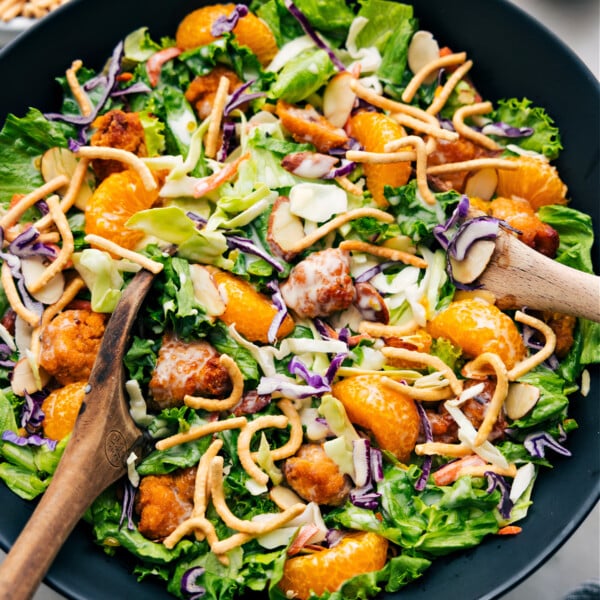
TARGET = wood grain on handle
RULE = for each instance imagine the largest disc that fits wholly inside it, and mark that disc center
(94, 458)
(521, 277)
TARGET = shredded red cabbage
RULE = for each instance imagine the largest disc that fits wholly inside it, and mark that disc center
(333, 537)
(306, 26)
(189, 587)
(460, 212)
(226, 24)
(137, 88)
(109, 81)
(32, 415)
(496, 481)
(281, 314)
(27, 244)
(501, 129)
(237, 98)
(226, 140)
(236, 242)
(471, 231)
(5, 353)
(14, 262)
(128, 504)
(370, 273)
(427, 461)
(376, 457)
(365, 497)
(536, 444)
(346, 167)
(31, 440)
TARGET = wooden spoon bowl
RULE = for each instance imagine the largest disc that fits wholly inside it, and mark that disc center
(95, 457)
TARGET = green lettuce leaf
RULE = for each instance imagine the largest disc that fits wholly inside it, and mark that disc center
(521, 113)
(22, 141)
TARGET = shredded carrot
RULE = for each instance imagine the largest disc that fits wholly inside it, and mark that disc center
(510, 530)
(452, 471)
(212, 182)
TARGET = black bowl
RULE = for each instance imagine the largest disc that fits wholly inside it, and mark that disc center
(514, 56)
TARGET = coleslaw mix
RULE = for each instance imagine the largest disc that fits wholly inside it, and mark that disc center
(329, 401)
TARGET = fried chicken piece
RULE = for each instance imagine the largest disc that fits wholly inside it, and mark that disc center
(70, 343)
(187, 368)
(320, 284)
(316, 477)
(563, 327)
(308, 125)
(202, 90)
(450, 152)
(444, 427)
(117, 129)
(164, 501)
(518, 213)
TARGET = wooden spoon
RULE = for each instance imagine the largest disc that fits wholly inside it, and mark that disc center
(519, 276)
(96, 455)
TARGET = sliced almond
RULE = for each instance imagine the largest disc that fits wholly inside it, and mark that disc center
(338, 99)
(521, 398)
(474, 264)
(482, 184)
(23, 335)
(285, 229)
(32, 268)
(422, 50)
(25, 380)
(206, 291)
(61, 161)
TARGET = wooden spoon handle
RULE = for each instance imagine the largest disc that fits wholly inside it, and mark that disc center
(57, 513)
(94, 458)
(521, 277)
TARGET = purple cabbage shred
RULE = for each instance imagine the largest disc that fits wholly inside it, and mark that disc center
(127, 506)
(496, 481)
(236, 242)
(31, 440)
(310, 32)
(189, 586)
(536, 444)
(281, 314)
(226, 24)
(427, 461)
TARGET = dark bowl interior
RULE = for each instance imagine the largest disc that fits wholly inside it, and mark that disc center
(514, 56)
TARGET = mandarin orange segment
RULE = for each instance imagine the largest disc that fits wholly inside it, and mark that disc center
(250, 311)
(477, 326)
(373, 130)
(195, 30)
(388, 414)
(326, 570)
(536, 180)
(117, 198)
(307, 125)
(61, 408)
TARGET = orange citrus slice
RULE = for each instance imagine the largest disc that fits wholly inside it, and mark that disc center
(535, 180)
(113, 202)
(477, 326)
(326, 571)
(388, 414)
(373, 130)
(251, 31)
(250, 311)
(61, 408)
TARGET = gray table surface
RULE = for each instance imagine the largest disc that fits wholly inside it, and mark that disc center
(577, 23)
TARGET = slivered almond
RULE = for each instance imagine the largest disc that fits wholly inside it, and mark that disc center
(521, 398)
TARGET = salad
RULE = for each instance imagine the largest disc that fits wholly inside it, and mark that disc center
(329, 401)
